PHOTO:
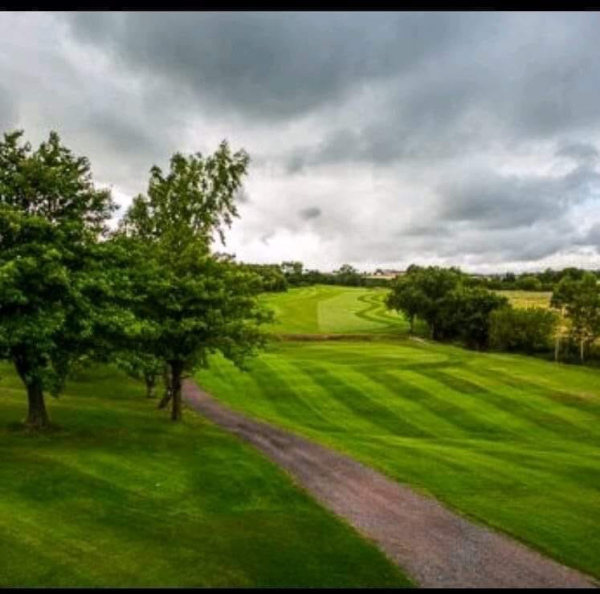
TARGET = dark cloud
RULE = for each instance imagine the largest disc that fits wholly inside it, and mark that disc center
(580, 152)
(312, 212)
(274, 65)
(495, 201)
(592, 237)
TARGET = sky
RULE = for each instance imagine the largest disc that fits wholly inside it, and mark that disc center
(376, 139)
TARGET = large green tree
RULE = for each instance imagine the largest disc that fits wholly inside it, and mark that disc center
(190, 301)
(444, 299)
(406, 297)
(53, 278)
(423, 291)
(465, 313)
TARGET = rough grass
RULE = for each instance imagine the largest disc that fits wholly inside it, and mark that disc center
(528, 298)
(511, 441)
(121, 496)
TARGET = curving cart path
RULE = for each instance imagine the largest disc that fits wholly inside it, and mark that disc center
(435, 546)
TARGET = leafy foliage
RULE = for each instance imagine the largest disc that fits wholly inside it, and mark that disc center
(52, 281)
(271, 276)
(527, 330)
(190, 301)
(444, 300)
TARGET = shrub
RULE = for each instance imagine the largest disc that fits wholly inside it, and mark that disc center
(529, 330)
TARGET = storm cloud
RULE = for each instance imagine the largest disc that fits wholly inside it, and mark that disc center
(459, 138)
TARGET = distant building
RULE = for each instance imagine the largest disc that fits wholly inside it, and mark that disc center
(386, 273)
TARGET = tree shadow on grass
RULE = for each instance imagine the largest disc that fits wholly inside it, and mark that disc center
(21, 428)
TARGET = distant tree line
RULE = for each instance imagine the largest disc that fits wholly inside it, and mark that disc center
(529, 281)
(280, 277)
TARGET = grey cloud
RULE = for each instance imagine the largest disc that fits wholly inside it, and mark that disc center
(312, 212)
(495, 201)
(8, 111)
(381, 105)
(580, 152)
(242, 196)
(531, 79)
(266, 236)
(274, 65)
(121, 132)
(591, 238)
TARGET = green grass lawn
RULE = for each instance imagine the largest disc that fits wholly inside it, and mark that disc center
(121, 496)
(324, 309)
(509, 440)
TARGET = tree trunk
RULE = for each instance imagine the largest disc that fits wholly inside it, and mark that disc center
(412, 324)
(150, 380)
(168, 388)
(37, 417)
(581, 348)
(556, 348)
(176, 373)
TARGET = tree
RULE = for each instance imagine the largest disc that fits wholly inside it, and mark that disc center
(466, 314)
(142, 366)
(446, 301)
(529, 282)
(580, 300)
(52, 282)
(272, 278)
(405, 297)
(429, 286)
(348, 276)
(523, 330)
(293, 272)
(192, 302)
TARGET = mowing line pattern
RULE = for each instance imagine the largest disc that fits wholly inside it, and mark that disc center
(437, 547)
(510, 441)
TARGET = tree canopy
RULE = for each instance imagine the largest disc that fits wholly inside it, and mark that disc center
(443, 298)
(191, 301)
(52, 282)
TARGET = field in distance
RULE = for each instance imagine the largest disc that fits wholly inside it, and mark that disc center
(528, 298)
(510, 440)
(124, 497)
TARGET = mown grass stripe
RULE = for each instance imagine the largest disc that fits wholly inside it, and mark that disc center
(359, 402)
(415, 403)
(283, 397)
(533, 402)
(445, 404)
(313, 394)
(507, 412)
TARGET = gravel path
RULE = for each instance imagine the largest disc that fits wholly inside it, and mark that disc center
(433, 545)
